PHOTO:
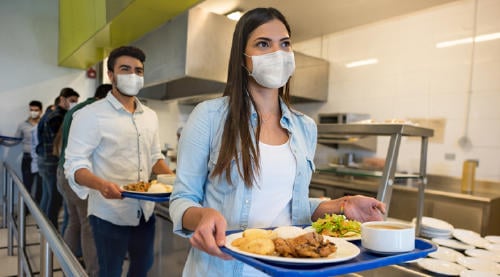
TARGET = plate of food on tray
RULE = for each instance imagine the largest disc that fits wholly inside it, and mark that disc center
(291, 245)
(143, 190)
(337, 226)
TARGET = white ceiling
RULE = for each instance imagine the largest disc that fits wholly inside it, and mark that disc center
(313, 18)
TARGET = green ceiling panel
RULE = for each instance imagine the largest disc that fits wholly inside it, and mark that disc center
(89, 29)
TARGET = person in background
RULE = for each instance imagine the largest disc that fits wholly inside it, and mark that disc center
(47, 162)
(249, 148)
(78, 234)
(24, 132)
(37, 181)
(114, 142)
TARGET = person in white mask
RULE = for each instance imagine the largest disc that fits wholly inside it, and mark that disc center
(24, 131)
(245, 160)
(114, 142)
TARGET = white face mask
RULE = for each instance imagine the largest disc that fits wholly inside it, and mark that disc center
(72, 105)
(34, 114)
(129, 84)
(274, 69)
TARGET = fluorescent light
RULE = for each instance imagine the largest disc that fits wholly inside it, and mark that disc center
(488, 37)
(480, 38)
(234, 15)
(361, 63)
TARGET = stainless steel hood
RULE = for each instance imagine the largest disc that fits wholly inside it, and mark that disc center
(187, 58)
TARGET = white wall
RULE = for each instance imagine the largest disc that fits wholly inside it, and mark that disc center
(29, 70)
(415, 79)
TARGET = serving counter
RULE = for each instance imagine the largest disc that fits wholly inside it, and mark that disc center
(479, 211)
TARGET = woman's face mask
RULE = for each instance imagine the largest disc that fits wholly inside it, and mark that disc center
(274, 69)
(129, 84)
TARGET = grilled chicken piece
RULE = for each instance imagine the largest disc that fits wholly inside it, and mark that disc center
(310, 245)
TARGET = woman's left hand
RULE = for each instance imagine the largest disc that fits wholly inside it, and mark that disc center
(363, 208)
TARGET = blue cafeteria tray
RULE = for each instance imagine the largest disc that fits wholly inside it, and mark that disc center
(157, 197)
(364, 261)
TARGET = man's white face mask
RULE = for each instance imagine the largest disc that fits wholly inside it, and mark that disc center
(129, 84)
(34, 114)
(274, 69)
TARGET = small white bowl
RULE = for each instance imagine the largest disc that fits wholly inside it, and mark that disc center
(167, 179)
(386, 237)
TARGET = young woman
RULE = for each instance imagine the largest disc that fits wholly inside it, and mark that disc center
(245, 160)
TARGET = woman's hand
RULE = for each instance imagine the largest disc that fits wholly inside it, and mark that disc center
(362, 208)
(210, 232)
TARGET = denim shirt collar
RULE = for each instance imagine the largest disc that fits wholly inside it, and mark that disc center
(286, 115)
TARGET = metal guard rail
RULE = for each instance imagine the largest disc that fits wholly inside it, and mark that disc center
(50, 240)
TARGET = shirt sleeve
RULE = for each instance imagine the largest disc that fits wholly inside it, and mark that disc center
(83, 139)
(192, 167)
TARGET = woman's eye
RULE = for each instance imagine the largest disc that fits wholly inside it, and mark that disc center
(286, 44)
(262, 44)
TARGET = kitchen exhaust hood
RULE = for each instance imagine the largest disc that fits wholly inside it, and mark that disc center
(187, 56)
(187, 60)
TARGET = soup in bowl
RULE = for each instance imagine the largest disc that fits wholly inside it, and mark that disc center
(387, 237)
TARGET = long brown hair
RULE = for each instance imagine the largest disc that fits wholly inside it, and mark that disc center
(237, 128)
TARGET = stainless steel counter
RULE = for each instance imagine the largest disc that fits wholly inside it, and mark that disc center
(479, 211)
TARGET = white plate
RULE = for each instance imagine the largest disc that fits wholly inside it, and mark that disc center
(493, 239)
(345, 251)
(436, 225)
(445, 254)
(452, 243)
(494, 247)
(470, 237)
(430, 234)
(358, 237)
(484, 254)
(476, 273)
(479, 264)
(441, 267)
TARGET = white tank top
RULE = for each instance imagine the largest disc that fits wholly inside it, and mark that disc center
(272, 192)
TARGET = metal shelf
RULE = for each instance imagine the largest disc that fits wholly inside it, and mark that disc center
(396, 132)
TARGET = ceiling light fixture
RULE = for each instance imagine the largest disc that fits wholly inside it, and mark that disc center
(234, 15)
(361, 63)
(480, 38)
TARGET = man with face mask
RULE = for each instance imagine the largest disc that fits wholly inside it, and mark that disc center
(48, 127)
(24, 132)
(114, 142)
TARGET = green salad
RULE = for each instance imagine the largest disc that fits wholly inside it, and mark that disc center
(337, 226)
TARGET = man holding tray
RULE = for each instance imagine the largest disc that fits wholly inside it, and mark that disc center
(114, 142)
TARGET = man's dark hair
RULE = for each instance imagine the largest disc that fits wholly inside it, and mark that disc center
(68, 92)
(102, 91)
(36, 103)
(57, 100)
(130, 51)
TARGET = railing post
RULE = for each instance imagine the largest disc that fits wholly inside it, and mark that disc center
(45, 258)
(10, 223)
(21, 239)
(4, 199)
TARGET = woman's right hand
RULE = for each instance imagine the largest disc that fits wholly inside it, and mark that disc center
(210, 232)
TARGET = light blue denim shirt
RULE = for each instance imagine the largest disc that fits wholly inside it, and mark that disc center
(199, 149)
